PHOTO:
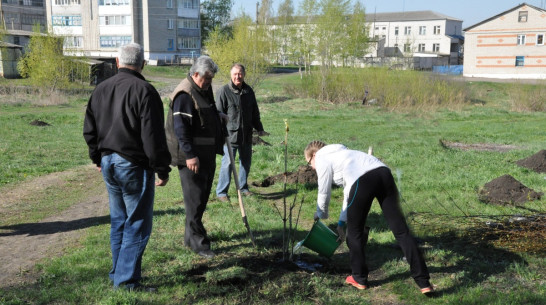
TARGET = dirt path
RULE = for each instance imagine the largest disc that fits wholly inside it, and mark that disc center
(23, 245)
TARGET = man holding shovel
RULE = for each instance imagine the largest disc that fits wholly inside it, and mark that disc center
(238, 101)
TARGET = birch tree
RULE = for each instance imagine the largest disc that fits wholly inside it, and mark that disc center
(248, 44)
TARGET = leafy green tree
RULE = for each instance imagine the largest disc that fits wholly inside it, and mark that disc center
(305, 33)
(248, 44)
(46, 66)
(215, 13)
(265, 12)
(357, 41)
(331, 31)
(286, 32)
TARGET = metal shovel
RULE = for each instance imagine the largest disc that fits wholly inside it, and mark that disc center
(239, 194)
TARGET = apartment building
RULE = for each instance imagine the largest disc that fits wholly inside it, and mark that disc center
(167, 29)
(20, 17)
(417, 34)
(509, 45)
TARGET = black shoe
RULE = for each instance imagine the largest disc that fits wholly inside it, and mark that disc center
(206, 253)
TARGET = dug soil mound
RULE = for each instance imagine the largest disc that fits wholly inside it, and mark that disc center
(507, 190)
(304, 175)
(536, 162)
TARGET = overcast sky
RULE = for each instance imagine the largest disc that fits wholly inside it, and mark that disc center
(469, 11)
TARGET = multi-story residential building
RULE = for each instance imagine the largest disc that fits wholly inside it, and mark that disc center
(509, 45)
(20, 18)
(22, 15)
(167, 29)
(417, 34)
(404, 34)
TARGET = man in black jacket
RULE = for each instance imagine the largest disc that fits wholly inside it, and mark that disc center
(238, 101)
(124, 130)
(198, 130)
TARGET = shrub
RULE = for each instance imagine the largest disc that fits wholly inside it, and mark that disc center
(391, 89)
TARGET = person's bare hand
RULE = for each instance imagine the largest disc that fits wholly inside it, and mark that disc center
(161, 182)
(341, 234)
(223, 117)
(193, 164)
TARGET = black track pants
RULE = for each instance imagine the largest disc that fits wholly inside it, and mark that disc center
(379, 184)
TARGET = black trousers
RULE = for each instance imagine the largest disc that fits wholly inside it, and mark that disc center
(196, 189)
(379, 183)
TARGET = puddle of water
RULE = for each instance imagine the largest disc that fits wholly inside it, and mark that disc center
(298, 248)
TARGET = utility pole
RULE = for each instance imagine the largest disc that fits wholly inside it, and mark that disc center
(257, 11)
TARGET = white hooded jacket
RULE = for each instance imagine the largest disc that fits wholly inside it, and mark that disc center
(337, 164)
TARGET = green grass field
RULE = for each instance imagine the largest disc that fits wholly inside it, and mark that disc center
(439, 187)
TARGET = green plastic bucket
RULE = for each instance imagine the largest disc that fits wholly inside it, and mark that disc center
(321, 240)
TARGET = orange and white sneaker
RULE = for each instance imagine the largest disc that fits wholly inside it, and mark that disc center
(351, 281)
(427, 290)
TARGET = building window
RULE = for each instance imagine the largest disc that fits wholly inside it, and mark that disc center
(384, 28)
(421, 47)
(422, 30)
(31, 19)
(188, 43)
(519, 61)
(114, 2)
(436, 47)
(522, 16)
(185, 23)
(437, 30)
(407, 30)
(39, 3)
(521, 40)
(190, 4)
(67, 2)
(73, 42)
(16, 40)
(396, 31)
(115, 20)
(407, 48)
(170, 44)
(540, 39)
(114, 41)
(395, 48)
(170, 24)
(169, 3)
(66, 20)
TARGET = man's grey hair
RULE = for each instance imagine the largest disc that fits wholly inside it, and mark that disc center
(202, 65)
(131, 55)
(238, 65)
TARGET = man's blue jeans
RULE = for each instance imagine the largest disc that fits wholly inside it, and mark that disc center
(131, 195)
(224, 178)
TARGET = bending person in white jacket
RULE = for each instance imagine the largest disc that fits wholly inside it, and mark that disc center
(363, 177)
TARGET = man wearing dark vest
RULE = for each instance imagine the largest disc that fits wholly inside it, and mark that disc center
(198, 128)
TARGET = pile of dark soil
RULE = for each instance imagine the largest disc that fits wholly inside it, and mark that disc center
(304, 175)
(39, 123)
(507, 190)
(536, 162)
